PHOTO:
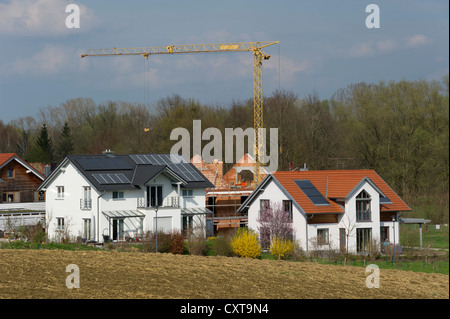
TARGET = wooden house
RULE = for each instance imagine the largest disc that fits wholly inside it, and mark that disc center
(18, 180)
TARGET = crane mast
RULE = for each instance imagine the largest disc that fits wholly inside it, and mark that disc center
(258, 57)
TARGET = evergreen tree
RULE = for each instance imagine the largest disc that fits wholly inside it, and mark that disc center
(44, 146)
(65, 145)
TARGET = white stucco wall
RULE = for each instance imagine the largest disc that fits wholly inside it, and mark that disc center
(69, 206)
(276, 195)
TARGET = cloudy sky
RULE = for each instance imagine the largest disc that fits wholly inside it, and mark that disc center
(324, 46)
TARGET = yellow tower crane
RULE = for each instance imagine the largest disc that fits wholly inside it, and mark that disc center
(258, 57)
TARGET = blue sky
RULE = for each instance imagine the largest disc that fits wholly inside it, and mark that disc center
(325, 45)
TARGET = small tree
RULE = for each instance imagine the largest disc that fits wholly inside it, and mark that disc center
(245, 243)
(274, 222)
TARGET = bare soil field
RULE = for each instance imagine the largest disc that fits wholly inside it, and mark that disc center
(41, 274)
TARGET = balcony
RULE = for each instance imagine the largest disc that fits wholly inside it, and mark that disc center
(170, 201)
(85, 204)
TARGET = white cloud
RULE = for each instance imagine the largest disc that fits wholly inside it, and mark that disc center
(371, 48)
(41, 17)
(417, 40)
(385, 46)
(52, 59)
(361, 50)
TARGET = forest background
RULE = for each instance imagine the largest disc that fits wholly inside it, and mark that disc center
(399, 129)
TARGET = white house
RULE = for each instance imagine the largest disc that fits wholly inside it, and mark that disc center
(338, 209)
(121, 196)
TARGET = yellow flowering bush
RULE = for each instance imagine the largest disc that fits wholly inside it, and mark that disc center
(245, 243)
(280, 247)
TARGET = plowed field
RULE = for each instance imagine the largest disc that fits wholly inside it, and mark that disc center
(103, 274)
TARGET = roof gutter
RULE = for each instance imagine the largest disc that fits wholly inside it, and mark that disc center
(307, 218)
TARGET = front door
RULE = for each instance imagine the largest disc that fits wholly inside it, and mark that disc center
(363, 239)
(117, 231)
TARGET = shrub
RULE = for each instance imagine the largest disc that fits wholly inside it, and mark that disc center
(221, 246)
(177, 245)
(197, 245)
(149, 242)
(281, 247)
(245, 243)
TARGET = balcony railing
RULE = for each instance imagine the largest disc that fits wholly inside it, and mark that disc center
(170, 201)
(85, 204)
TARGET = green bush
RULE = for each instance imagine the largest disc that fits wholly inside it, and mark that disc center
(221, 246)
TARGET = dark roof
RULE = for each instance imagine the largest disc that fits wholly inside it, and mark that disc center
(123, 172)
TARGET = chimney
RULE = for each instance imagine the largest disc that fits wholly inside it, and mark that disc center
(47, 170)
(108, 153)
(304, 167)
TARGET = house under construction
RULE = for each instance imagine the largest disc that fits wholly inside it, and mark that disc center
(229, 192)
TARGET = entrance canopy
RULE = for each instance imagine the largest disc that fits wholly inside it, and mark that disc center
(123, 213)
(195, 211)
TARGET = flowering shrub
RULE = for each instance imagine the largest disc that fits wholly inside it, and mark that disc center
(245, 243)
(280, 247)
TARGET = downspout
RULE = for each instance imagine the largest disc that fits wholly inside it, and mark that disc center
(307, 218)
(98, 216)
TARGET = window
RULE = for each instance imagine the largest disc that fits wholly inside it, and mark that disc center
(323, 237)
(363, 207)
(363, 239)
(187, 193)
(384, 234)
(60, 192)
(187, 225)
(87, 229)
(86, 202)
(264, 204)
(287, 206)
(154, 196)
(118, 195)
(11, 197)
(60, 223)
(11, 173)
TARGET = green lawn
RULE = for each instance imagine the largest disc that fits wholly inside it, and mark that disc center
(438, 266)
(431, 237)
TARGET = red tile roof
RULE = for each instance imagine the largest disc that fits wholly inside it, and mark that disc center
(335, 184)
(4, 157)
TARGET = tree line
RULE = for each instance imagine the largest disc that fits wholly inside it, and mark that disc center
(398, 128)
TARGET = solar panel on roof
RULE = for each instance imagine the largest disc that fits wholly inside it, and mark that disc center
(175, 162)
(311, 192)
(111, 178)
(103, 163)
(158, 159)
(187, 172)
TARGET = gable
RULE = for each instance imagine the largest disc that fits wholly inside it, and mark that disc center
(7, 158)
